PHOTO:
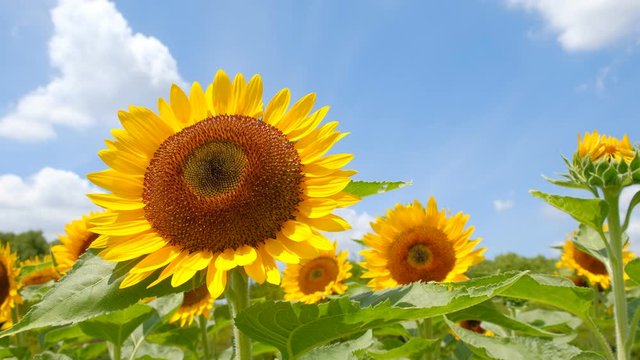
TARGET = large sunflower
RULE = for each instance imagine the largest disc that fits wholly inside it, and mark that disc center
(214, 182)
(75, 242)
(588, 266)
(314, 279)
(605, 147)
(9, 287)
(45, 272)
(416, 244)
(195, 302)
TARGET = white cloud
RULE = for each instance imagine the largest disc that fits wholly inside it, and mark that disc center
(360, 225)
(502, 205)
(102, 66)
(45, 201)
(587, 24)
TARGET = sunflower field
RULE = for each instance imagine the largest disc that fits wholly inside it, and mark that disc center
(214, 242)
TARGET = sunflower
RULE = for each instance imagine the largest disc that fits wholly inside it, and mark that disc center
(75, 242)
(417, 244)
(194, 303)
(9, 287)
(314, 279)
(588, 266)
(605, 147)
(213, 182)
(475, 326)
(43, 274)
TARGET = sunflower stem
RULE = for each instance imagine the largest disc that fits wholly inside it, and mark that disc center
(602, 341)
(616, 270)
(237, 294)
(117, 351)
(205, 337)
(425, 329)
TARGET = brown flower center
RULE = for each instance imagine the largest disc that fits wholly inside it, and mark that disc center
(195, 296)
(421, 254)
(225, 182)
(589, 263)
(4, 283)
(316, 274)
(85, 244)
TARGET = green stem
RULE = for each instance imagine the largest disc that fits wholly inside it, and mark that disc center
(205, 337)
(117, 351)
(616, 270)
(425, 329)
(237, 294)
(633, 329)
(599, 337)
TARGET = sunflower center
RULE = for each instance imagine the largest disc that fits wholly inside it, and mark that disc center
(214, 168)
(194, 296)
(225, 182)
(473, 325)
(317, 274)
(421, 254)
(4, 283)
(589, 263)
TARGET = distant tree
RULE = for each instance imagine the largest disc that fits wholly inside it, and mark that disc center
(512, 261)
(27, 245)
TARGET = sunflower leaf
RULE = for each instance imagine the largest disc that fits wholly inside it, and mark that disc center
(633, 270)
(90, 289)
(118, 325)
(296, 329)
(509, 348)
(367, 188)
(591, 212)
(553, 290)
(487, 311)
(413, 347)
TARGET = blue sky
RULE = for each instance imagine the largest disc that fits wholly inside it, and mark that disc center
(472, 101)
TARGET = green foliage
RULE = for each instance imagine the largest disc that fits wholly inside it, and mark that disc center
(513, 262)
(90, 289)
(342, 350)
(296, 328)
(410, 349)
(118, 325)
(28, 244)
(518, 348)
(633, 270)
(368, 188)
(591, 212)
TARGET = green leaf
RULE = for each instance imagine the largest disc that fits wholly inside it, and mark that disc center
(341, 350)
(633, 270)
(487, 311)
(90, 289)
(367, 188)
(565, 183)
(64, 333)
(518, 348)
(591, 212)
(635, 200)
(549, 319)
(296, 328)
(590, 241)
(13, 352)
(552, 290)
(118, 325)
(414, 346)
(49, 355)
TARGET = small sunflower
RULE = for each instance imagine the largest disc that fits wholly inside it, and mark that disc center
(475, 326)
(416, 244)
(42, 275)
(588, 266)
(314, 279)
(9, 287)
(215, 182)
(75, 242)
(605, 147)
(194, 303)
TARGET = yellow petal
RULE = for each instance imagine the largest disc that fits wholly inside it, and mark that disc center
(297, 113)
(216, 280)
(226, 260)
(118, 183)
(156, 260)
(329, 223)
(296, 231)
(277, 107)
(273, 274)
(123, 228)
(114, 202)
(309, 124)
(199, 109)
(278, 251)
(180, 104)
(244, 255)
(256, 270)
(133, 248)
(236, 105)
(253, 100)
(134, 278)
(221, 93)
